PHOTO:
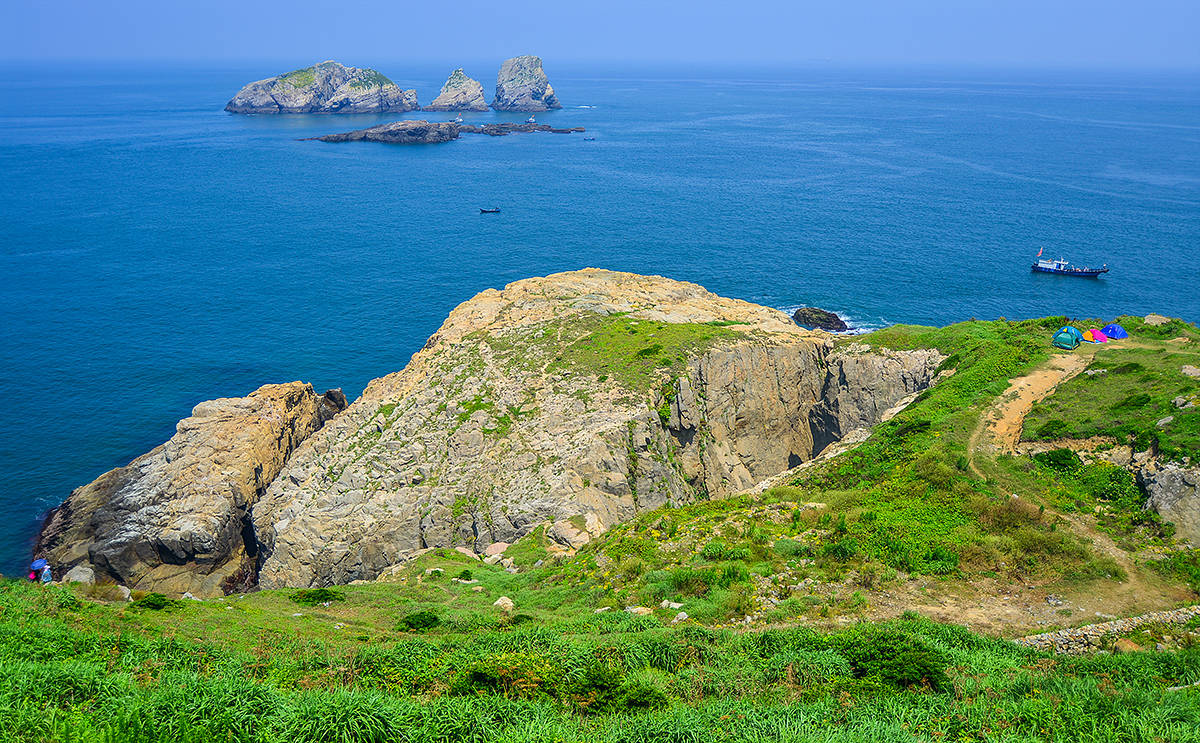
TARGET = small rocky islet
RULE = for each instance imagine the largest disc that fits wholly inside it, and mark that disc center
(331, 87)
(426, 132)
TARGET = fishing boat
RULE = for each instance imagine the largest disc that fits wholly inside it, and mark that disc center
(490, 211)
(458, 119)
(1064, 268)
(531, 120)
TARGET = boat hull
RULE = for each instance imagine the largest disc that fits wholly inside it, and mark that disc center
(1086, 273)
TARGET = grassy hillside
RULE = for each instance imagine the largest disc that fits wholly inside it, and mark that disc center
(797, 600)
(187, 673)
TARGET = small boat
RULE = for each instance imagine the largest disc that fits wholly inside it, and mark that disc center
(589, 139)
(490, 211)
(531, 120)
(1063, 268)
(458, 119)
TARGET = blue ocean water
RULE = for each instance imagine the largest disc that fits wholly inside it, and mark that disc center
(157, 251)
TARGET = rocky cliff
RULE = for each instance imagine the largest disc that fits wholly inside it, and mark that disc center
(328, 87)
(570, 402)
(574, 401)
(460, 93)
(521, 85)
(178, 518)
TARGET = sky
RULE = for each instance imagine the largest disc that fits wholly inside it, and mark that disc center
(1022, 33)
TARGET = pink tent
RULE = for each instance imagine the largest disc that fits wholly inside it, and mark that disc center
(1095, 336)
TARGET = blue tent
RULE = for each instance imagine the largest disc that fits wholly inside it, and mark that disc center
(1115, 331)
(1072, 330)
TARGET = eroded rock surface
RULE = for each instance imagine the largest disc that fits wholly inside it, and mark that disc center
(572, 401)
(522, 85)
(1173, 491)
(814, 317)
(177, 518)
(460, 93)
(328, 87)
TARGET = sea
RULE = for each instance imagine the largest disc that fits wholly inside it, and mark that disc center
(156, 251)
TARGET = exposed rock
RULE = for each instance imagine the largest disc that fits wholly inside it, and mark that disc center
(1183, 403)
(1190, 371)
(460, 93)
(81, 573)
(505, 604)
(1155, 320)
(178, 518)
(1174, 493)
(424, 132)
(1125, 645)
(680, 617)
(814, 317)
(400, 132)
(1164, 422)
(521, 85)
(524, 127)
(328, 87)
(641, 611)
(1096, 636)
(668, 604)
(490, 432)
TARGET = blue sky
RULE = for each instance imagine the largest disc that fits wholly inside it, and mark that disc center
(1027, 33)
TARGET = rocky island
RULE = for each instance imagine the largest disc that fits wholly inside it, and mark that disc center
(460, 93)
(522, 85)
(328, 87)
(424, 132)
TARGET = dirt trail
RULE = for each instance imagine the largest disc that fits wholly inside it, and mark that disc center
(999, 428)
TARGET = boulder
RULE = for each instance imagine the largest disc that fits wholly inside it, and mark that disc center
(178, 518)
(1190, 371)
(521, 85)
(505, 604)
(641, 611)
(460, 93)
(1125, 645)
(1174, 493)
(81, 573)
(328, 87)
(816, 318)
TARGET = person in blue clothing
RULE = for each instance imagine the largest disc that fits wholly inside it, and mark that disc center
(40, 570)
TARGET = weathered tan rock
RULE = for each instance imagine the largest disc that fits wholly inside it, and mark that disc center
(460, 93)
(1125, 645)
(177, 519)
(521, 85)
(492, 430)
(328, 87)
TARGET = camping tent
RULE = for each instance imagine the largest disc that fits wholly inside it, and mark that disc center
(1072, 330)
(1114, 331)
(1064, 339)
(1095, 336)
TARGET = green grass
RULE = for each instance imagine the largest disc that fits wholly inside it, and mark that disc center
(300, 78)
(368, 78)
(66, 675)
(1126, 401)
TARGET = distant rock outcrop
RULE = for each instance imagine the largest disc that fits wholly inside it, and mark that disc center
(400, 132)
(1173, 492)
(814, 317)
(178, 518)
(521, 85)
(460, 93)
(328, 87)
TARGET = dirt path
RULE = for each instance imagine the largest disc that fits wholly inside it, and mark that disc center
(999, 428)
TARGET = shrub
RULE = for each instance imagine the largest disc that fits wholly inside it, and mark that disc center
(314, 596)
(464, 575)
(1053, 429)
(419, 621)
(1138, 400)
(716, 550)
(156, 602)
(843, 549)
(1059, 459)
(895, 658)
(690, 582)
(792, 548)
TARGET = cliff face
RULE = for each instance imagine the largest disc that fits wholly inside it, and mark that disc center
(460, 93)
(177, 519)
(328, 87)
(1173, 491)
(521, 85)
(574, 401)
